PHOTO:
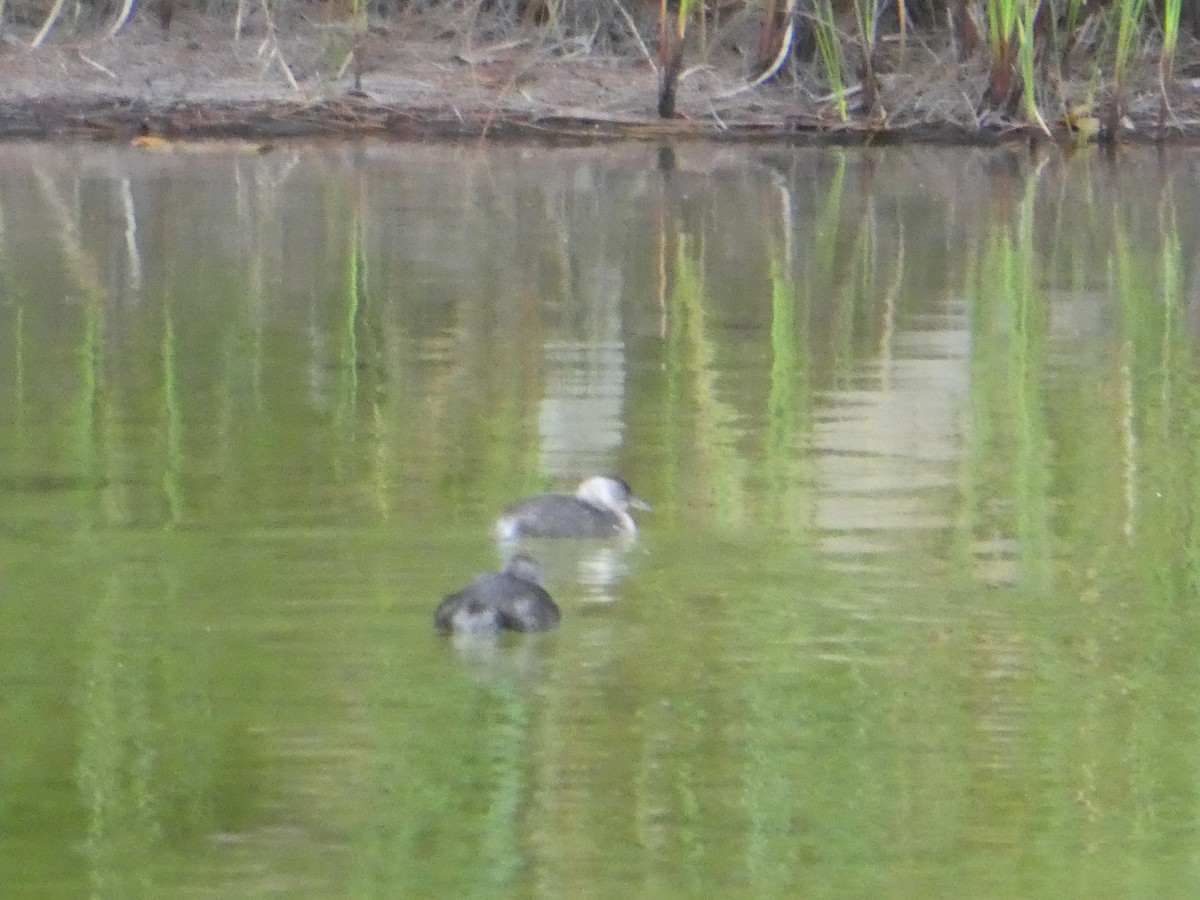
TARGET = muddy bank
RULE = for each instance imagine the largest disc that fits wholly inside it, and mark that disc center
(198, 82)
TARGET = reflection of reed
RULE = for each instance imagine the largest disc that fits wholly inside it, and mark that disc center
(174, 460)
(119, 744)
(1001, 756)
(1127, 278)
(150, 764)
(1157, 364)
(351, 301)
(131, 236)
(826, 260)
(706, 735)
(86, 270)
(583, 355)
(789, 398)
(692, 351)
(84, 267)
(890, 295)
(1007, 444)
(13, 299)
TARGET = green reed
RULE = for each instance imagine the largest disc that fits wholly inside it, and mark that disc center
(1025, 62)
(829, 47)
(1011, 41)
(1002, 17)
(1171, 13)
(1073, 19)
(1129, 17)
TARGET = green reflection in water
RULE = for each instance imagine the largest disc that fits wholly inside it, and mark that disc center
(1009, 464)
(232, 495)
(173, 425)
(789, 401)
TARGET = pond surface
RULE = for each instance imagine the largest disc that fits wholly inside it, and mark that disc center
(914, 614)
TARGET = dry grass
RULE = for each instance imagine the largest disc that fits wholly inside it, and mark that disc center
(499, 68)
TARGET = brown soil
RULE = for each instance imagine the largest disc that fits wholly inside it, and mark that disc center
(197, 81)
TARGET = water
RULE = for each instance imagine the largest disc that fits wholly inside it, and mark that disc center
(913, 614)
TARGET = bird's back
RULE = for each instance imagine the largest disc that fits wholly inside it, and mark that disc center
(497, 600)
(556, 515)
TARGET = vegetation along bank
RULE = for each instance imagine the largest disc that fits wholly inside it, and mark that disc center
(826, 70)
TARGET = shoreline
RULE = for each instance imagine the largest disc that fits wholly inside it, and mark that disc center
(198, 83)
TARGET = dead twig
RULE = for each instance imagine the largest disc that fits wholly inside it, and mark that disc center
(95, 65)
(636, 36)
